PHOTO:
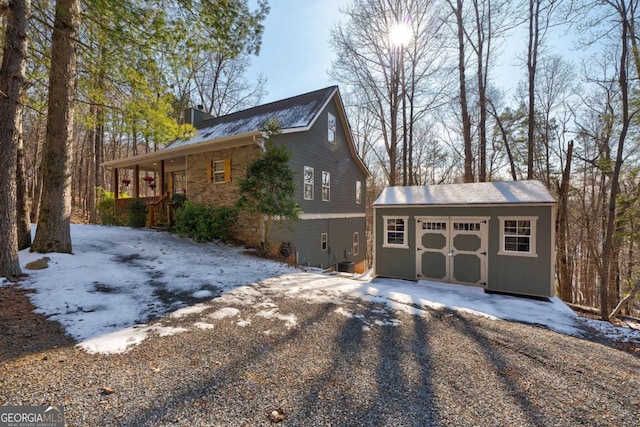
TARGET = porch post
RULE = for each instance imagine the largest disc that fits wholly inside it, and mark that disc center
(136, 182)
(161, 183)
(116, 183)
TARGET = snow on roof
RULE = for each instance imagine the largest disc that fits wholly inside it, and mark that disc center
(466, 194)
(296, 112)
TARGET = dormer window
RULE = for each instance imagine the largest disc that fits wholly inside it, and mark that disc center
(332, 127)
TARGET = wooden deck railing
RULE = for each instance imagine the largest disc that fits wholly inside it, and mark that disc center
(158, 210)
(157, 207)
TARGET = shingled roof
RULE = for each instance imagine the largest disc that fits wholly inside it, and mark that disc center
(293, 113)
(510, 192)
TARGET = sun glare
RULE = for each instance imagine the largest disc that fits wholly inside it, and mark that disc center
(400, 34)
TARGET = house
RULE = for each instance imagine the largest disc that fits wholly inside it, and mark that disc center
(497, 235)
(207, 168)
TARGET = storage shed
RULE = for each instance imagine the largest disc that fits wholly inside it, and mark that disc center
(497, 235)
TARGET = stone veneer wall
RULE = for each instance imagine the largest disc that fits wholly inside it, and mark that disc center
(199, 190)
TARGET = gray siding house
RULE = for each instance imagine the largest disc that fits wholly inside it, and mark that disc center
(497, 235)
(331, 177)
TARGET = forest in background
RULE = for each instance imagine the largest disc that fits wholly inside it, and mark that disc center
(423, 92)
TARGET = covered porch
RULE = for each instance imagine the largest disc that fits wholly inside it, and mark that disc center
(152, 179)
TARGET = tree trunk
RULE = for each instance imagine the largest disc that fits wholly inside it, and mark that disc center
(565, 278)
(532, 63)
(12, 77)
(22, 206)
(464, 109)
(608, 247)
(54, 223)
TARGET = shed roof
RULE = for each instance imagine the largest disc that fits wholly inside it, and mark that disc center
(479, 193)
(292, 113)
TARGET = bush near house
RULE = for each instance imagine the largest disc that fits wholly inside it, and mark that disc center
(205, 223)
(137, 214)
(107, 209)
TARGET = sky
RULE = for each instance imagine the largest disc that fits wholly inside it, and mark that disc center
(295, 55)
(123, 285)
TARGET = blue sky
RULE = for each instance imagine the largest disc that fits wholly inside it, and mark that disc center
(295, 55)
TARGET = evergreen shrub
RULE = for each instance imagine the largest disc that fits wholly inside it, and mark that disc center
(205, 223)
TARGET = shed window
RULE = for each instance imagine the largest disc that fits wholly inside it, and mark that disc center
(518, 236)
(308, 183)
(395, 232)
(326, 186)
(324, 241)
(331, 119)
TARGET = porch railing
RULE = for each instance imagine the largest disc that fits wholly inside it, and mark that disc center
(157, 208)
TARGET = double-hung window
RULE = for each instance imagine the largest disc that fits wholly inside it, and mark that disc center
(395, 232)
(331, 134)
(324, 241)
(219, 171)
(326, 186)
(518, 236)
(308, 183)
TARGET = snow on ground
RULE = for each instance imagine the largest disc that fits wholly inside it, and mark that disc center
(120, 278)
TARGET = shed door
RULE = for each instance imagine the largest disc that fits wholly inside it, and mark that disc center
(452, 249)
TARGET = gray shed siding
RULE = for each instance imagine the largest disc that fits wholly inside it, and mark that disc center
(506, 273)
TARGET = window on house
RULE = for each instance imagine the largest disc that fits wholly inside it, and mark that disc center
(518, 236)
(358, 192)
(219, 171)
(332, 127)
(326, 186)
(308, 183)
(356, 243)
(324, 241)
(395, 233)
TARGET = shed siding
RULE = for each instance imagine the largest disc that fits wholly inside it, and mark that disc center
(513, 274)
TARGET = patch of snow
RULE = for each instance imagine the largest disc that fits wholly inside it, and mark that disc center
(243, 322)
(203, 325)
(194, 309)
(202, 294)
(290, 319)
(225, 312)
(115, 342)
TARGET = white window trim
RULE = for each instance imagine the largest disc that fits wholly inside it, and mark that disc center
(385, 243)
(355, 251)
(532, 238)
(324, 239)
(327, 186)
(358, 192)
(305, 183)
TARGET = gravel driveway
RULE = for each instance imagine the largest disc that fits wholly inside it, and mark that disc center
(300, 364)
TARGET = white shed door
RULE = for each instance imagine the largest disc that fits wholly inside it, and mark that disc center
(452, 249)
